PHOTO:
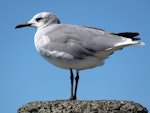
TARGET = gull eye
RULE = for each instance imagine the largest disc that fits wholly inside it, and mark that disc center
(39, 19)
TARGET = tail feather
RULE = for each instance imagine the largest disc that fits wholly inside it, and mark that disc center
(128, 39)
(128, 42)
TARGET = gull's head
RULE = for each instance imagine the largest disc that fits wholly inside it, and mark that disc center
(41, 20)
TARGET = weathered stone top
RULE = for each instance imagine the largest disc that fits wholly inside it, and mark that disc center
(84, 106)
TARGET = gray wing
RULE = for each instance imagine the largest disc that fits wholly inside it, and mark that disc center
(131, 35)
(92, 27)
(80, 41)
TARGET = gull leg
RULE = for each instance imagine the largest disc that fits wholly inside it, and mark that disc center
(71, 88)
(76, 86)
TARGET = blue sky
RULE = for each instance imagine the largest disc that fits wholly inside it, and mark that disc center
(25, 76)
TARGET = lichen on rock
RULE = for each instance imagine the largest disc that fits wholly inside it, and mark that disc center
(84, 106)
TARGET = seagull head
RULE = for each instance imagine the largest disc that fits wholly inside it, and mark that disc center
(41, 20)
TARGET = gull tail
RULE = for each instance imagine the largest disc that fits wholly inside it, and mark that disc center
(129, 39)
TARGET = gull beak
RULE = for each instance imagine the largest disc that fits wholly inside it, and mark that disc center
(23, 25)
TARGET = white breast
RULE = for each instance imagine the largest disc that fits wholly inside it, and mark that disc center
(41, 42)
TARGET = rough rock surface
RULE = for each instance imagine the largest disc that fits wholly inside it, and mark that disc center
(85, 106)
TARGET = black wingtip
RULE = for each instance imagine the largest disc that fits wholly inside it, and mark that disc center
(131, 35)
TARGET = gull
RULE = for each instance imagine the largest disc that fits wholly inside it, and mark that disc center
(75, 47)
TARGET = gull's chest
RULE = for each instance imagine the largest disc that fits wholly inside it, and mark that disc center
(41, 42)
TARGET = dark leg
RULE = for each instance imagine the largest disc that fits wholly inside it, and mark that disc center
(76, 86)
(71, 88)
